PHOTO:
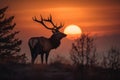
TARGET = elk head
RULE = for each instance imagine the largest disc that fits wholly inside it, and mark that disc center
(54, 28)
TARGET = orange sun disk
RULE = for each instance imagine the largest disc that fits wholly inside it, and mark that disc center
(73, 32)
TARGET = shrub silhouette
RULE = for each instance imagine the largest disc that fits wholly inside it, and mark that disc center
(112, 59)
(83, 51)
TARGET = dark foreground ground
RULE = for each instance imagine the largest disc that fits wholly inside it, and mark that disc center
(54, 72)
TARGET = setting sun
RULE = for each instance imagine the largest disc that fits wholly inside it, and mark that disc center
(72, 31)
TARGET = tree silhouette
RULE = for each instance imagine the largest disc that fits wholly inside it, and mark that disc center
(83, 51)
(9, 45)
(112, 59)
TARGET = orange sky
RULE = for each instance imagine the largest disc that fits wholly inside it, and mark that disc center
(99, 17)
(91, 15)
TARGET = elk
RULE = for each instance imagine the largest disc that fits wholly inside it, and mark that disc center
(42, 45)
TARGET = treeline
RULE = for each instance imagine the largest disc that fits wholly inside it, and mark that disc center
(84, 53)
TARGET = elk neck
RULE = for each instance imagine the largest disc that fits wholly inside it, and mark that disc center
(54, 41)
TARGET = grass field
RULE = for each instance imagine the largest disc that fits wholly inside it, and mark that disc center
(54, 72)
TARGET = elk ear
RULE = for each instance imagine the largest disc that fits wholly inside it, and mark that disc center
(53, 31)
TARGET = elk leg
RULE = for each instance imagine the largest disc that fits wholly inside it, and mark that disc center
(42, 58)
(33, 57)
(34, 54)
(46, 57)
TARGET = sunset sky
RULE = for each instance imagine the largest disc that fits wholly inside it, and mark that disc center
(99, 17)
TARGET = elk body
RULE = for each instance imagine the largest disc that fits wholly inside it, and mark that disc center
(42, 45)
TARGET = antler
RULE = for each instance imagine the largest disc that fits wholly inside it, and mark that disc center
(49, 19)
(42, 22)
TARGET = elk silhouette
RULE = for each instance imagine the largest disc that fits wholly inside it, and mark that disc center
(42, 45)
